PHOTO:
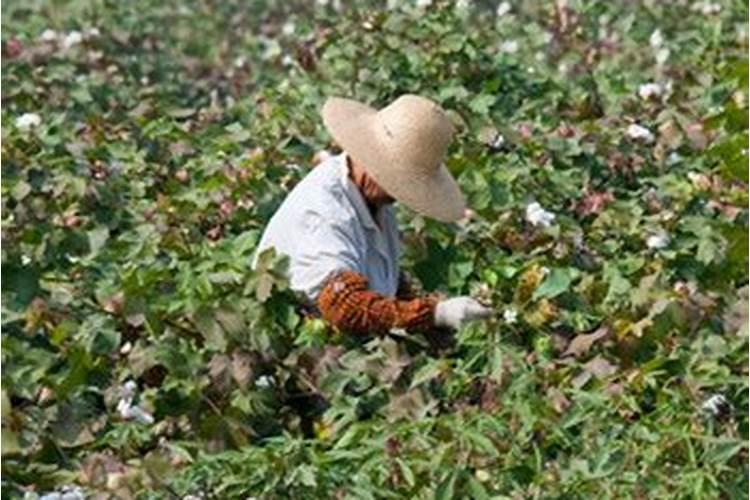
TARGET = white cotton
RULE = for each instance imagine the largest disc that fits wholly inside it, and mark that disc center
(93, 32)
(716, 405)
(538, 216)
(288, 28)
(656, 39)
(287, 60)
(662, 55)
(72, 39)
(503, 9)
(141, 416)
(498, 142)
(128, 411)
(240, 62)
(649, 90)
(640, 133)
(48, 35)
(264, 382)
(509, 47)
(706, 8)
(510, 316)
(126, 348)
(658, 241)
(28, 120)
(129, 388)
(424, 3)
(322, 3)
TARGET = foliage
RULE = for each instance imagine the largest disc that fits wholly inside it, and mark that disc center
(169, 132)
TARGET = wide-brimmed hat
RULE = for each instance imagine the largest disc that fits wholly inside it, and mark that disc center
(401, 147)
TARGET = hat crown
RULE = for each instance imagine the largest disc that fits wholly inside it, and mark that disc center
(417, 130)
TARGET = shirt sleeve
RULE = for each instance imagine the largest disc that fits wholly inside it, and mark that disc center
(328, 249)
(346, 302)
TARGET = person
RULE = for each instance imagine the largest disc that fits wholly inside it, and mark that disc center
(338, 225)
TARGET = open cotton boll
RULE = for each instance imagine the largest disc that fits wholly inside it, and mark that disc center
(649, 90)
(72, 39)
(538, 216)
(716, 406)
(48, 35)
(510, 316)
(640, 133)
(658, 241)
(28, 120)
(509, 47)
(423, 3)
(503, 9)
(656, 39)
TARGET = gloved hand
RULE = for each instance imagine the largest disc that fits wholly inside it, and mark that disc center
(455, 312)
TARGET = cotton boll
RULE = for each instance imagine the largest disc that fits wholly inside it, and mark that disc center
(649, 90)
(48, 35)
(640, 133)
(658, 241)
(510, 316)
(423, 3)
(503, 9)
(72, 39)
(662, 55)
(264, 382)
(288, 28)
(716, 406)
(656, 39)
(538, 216)
(28, 120)
(509, 47)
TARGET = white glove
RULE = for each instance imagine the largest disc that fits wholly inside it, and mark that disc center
(455, 312)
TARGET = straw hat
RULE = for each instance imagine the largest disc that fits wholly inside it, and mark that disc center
(402, 147)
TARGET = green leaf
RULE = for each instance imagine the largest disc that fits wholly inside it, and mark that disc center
(557, 282)
(97, 238)
(445, 490)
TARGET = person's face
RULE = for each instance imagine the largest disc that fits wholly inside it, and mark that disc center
(373, 193)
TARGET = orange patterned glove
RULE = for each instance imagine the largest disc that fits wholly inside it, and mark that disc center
(347, 303)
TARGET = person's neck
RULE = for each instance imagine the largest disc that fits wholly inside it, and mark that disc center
(358, 181)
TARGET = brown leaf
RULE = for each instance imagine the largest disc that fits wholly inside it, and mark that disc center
(558, 400)
(697, 136)
(242, 368)
(594, 202)
(581, 344)
(670, 135)
(600, 367)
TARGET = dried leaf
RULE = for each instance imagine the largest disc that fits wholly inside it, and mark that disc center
(581, 344)
(600, 367)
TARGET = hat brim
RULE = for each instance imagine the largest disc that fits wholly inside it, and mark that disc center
(352, 125)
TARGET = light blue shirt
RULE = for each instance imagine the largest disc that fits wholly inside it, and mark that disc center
(324, 226)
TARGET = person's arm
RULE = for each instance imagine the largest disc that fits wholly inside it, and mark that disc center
(346, 302)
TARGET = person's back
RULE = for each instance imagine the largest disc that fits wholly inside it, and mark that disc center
(324, 225)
